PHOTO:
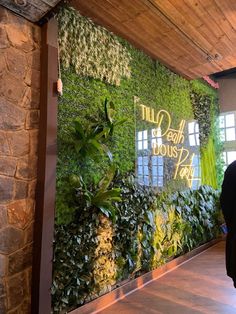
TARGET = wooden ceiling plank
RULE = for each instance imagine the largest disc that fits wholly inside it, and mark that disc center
(167, 41)
(222, 44)
(135, 6)
(231, 59)
(212, 29)
(142, 34)
(228, 8)
(99, 15)
(218, 17)
(188, 31)
(205, 69)
(186, 10)
(112, 10)
(225, 64)
(225, 46)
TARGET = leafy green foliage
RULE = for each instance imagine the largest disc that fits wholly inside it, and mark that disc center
(88, 143)
(202, 113)
(206, 111)
(94, 254)
(102, 197)
(90, 49)
(84, 265)
(100, 241)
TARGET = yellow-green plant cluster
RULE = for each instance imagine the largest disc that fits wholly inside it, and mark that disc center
(90, 49)
(104, 268)
(208, 164)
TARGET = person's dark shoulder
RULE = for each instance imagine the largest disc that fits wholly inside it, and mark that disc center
(231, 169)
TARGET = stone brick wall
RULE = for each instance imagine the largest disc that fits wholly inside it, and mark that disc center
(19, 119)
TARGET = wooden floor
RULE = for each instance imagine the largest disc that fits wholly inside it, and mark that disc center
(198, 286)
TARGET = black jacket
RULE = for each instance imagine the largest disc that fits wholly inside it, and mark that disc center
(228, 206)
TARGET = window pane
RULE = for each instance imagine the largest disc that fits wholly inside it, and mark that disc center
(231, 156)
(140, 179)
(140, 145)
(160, 160)
(196, 127)
(140, 136)
(159, 140)
(222, 121)
(229, 120)
(192, 141)
(140, 170)
(195, 162)
(145, 134)
(160, 181)
(230, 134)
(145, 144)
(146, 180)
(145, 161)
(154, 181)
(154, 170)
(145, 170)
(191, 127)
(140, 161)
(195, 184)
(196, 172)
(160, 170)
(154, 160)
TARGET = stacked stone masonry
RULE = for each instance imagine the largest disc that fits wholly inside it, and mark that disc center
(19, 122)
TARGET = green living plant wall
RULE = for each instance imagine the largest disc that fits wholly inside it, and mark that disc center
(109, 228)
(83, 97)
(206, 111)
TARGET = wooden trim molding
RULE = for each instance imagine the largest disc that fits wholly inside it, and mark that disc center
(114, 296)
(46, 176)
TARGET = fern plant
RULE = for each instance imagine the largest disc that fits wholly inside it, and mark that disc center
(102, 197)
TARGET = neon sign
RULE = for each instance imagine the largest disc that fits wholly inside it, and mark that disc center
(184, 159)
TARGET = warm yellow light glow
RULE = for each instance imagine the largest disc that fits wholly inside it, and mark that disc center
(172, 135)
(163, 121)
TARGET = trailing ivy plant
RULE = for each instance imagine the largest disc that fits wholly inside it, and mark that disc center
(202, 113)
(90, 49)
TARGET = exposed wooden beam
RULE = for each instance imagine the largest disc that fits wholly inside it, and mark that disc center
(46, 184)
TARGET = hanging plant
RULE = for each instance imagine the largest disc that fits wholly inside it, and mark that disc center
(202, 113)
(91, 49)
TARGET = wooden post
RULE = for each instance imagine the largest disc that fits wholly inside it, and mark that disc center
(46, 184)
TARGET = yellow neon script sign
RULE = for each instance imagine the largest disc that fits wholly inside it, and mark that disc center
(162, 119)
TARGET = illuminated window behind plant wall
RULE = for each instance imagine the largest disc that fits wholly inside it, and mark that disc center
(167, 150)
(227, 124)
(193, 138)
(150, 168)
